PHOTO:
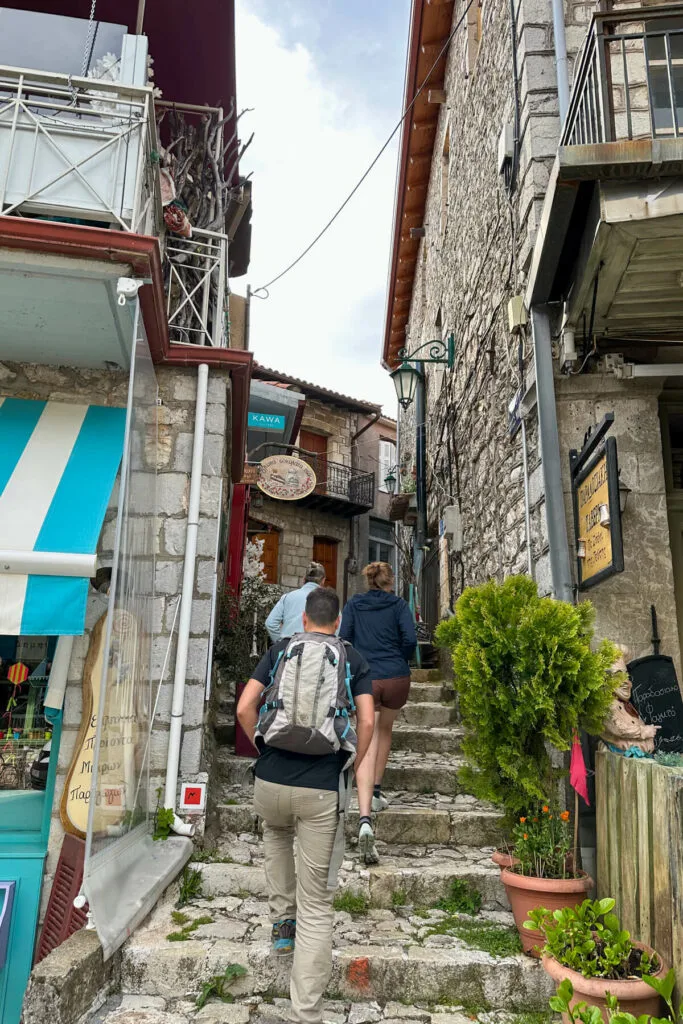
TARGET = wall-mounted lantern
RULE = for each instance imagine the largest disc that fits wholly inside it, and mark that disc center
(406, 377)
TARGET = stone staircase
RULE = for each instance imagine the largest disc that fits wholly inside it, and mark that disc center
(403, 949)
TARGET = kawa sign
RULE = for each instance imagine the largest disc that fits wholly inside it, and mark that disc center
(265, 421)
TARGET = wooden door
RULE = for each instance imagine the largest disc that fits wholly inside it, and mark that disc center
(325, 552)
(316, 443)
(271, 550)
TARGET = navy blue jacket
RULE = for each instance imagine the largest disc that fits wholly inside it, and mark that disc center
(380, 626)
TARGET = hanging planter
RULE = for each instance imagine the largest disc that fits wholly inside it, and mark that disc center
(399, 507)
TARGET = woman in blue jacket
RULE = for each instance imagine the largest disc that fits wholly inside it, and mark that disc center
(380, 627)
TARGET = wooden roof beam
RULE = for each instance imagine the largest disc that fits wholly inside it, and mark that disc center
(432, 50)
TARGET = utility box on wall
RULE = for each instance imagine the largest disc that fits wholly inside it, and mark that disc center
(452, 527)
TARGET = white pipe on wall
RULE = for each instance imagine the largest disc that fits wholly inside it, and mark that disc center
(561, 62)
(178, 702)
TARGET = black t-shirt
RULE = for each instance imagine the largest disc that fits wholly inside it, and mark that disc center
(310, 770)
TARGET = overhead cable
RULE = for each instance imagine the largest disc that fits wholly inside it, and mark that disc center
(262, 292)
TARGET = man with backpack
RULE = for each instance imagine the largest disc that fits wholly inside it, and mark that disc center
(297, 709)
(285, 619)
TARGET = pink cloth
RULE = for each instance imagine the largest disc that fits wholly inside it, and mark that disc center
(577, 771)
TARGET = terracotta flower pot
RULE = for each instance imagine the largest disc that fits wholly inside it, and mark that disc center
(502, 859)
(526, 892)
(634, 996)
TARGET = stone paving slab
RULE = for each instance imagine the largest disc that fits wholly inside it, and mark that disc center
(257, 1010)
(420, 740)
(435, 690)
(427, 715)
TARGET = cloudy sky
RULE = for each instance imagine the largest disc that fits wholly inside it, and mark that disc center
(325, 79)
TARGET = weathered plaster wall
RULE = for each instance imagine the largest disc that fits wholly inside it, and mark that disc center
(177, 394)
(622, 603)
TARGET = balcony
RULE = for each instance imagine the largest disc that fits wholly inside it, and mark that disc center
(196, 279)
(340, 490)
(77, 150)
(625, 116)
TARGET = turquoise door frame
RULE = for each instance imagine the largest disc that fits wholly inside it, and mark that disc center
(24, 832)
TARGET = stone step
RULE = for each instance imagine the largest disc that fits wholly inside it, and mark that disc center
(422, 821)
(397, 880)
(138, 1009)
(413, 773)
(425, 675)
(431, 691)
(428, 715)
(381, 955)
(421, 741)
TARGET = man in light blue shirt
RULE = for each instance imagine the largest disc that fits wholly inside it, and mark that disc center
(286, 618)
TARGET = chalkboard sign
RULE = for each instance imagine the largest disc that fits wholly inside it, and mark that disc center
(657, 699)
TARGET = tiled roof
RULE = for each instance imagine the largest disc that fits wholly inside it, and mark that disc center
(269, 376)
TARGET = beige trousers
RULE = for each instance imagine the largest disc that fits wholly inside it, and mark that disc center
(311, 815)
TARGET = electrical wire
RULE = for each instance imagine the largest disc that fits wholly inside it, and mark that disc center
(264, 287)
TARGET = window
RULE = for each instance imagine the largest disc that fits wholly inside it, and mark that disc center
(445, 177)
(473, 36)
(387, 462)
(382, 547)
(665, 72)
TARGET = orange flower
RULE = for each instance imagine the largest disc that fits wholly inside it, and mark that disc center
(522, 820)
(545, 808)
(526, 836)
(534, 820)
(565, 815)
(550, 817)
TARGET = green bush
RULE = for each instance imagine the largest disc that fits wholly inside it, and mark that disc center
(526, 677)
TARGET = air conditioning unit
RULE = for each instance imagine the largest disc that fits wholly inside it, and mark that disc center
(452, 527)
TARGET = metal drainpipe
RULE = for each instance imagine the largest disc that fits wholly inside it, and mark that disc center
(560, 565)
(178, 702)
(421, 457)
(561, 58)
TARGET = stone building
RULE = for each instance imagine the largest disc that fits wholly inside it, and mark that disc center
(332, 434)
(532, 224)
(123, 420)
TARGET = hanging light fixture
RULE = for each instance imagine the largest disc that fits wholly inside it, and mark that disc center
(405, 381)
(390, 481)
(406, 377)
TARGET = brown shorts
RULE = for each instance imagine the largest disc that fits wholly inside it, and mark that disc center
(391, 693)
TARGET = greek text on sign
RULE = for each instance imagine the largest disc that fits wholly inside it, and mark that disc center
(265, 421)
(592, 493)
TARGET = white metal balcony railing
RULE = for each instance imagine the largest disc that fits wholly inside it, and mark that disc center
(78, 149)
(196, 286)
(628, 84)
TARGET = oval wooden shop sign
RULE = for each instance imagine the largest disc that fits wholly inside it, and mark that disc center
(286, 478)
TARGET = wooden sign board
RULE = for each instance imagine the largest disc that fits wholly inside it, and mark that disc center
(597, 516)
(250, 475)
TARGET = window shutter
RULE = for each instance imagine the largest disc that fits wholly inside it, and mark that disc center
(62, 918)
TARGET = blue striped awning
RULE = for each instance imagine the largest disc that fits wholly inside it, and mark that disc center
(58, 464)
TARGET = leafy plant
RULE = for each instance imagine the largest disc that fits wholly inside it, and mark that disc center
(241, 638)
(219, 985)
(163, 819)
(589, 939)
(399, 898)
(542, 842)
(669, 760)
(462, 899)
(527, 678)
(491, 938)
(191, 885)
(351, 902)
(582, 1013)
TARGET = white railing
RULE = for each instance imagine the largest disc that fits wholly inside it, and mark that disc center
(197, 288)
(78, 149)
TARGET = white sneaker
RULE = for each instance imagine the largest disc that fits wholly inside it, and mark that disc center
(366, 844)
(379, 803)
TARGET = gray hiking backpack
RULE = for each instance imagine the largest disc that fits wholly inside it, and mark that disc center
(306, 706)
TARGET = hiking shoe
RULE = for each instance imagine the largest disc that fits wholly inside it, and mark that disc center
(283, 937)
(379, 803)
(366, 844)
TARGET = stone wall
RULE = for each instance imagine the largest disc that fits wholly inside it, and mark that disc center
(622, 602)
(298, 526)
(336, 423)
(177, 396)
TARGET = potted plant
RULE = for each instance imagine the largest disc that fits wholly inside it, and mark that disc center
(587, 945)
(581, 1013)
(542, 871)
(528, 678)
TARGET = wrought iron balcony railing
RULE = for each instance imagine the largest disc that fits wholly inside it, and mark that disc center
(196, 271)
(628, 83)
(339, 488)
(78, 149)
